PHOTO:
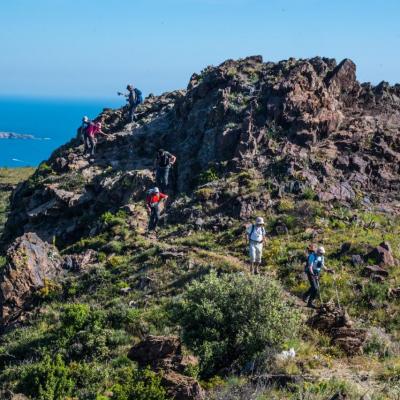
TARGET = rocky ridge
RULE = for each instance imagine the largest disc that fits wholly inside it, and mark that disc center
(249, 136)
(303, 124)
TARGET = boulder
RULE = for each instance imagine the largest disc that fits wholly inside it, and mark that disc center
(30, 262)
(382, 255)
(375, 270)
(78, 262)
(335, 322)
(181, 387)
(154, 350)
(164, 354)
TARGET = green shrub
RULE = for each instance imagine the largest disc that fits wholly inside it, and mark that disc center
(138, 385)
(74, 318)
(110, 219)
(3, 262)
(47, 380)
(207, 176)
(374, 291)
(231, 319)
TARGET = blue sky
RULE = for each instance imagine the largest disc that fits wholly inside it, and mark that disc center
(92, 48)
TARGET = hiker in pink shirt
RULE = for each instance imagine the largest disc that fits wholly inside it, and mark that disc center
(92, 131)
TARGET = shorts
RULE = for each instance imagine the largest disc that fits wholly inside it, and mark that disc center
(256, 252)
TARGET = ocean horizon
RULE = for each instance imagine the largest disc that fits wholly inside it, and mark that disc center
(37, 126)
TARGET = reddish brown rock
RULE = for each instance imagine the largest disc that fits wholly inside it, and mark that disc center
(164, 354)
(382, 255)
(30, 263)
(375, 270)
(181, 387)
(335, 322)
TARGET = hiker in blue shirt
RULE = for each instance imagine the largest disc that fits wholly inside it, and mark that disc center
(134, 98)
(313, 268)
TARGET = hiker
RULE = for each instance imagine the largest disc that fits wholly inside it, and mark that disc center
(82, 129)
(256, 237)
(163, 162)
(314, 265)
(134, 98)
(91, 132)
(153, 201)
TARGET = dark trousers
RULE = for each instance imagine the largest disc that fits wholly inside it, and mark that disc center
(154, 217)
(162, 177)
(313, 291)
(90, 145)
(131, 115)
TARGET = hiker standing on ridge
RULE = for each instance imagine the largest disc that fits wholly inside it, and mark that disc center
(153, 201)
(82, 129)
(315, 264)
(256, 237)
(92, 131)
(134, 98)
(164, 161)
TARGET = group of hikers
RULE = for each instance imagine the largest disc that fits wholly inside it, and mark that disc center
(164, 160)
(89, 130)
(257, 237)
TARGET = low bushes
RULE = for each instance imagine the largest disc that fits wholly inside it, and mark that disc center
(228, 320)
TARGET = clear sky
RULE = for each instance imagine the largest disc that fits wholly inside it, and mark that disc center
(92, 48)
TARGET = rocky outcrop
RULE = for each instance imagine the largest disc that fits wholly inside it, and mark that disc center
(302, 124)
(335, 322)
(164, 354)
(31, 264)
(382, 255)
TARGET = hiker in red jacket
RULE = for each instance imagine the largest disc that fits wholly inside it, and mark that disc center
(153, 200)
(91, 132)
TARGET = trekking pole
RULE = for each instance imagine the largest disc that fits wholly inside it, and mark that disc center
(336, 290)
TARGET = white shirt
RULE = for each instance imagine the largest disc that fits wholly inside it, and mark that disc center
(258, 233)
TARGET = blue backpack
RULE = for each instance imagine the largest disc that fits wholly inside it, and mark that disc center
(139, 96)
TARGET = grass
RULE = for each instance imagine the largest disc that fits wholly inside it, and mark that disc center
(130, 286)
(10, 177)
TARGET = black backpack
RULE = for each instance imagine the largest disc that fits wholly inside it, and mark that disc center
(164, 159)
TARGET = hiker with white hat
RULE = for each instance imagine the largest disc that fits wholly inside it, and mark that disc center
(256, 237)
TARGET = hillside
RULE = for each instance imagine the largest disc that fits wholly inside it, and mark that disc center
(301, 143)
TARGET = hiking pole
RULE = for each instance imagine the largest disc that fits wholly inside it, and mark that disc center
(336, 290)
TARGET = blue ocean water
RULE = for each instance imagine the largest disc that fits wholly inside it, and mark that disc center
(53, 120)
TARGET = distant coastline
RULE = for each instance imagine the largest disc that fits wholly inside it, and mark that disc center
(22, 136)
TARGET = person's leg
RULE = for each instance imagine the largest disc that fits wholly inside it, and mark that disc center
(313, 291)
(308, 292)
(158, 177)
(157, 216)
(151, 220)
(92, 145)
(252, 256)
(86, 143)
(259, 249)
(166, 177)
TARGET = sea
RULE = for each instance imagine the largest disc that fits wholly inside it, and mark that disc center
(48, 122)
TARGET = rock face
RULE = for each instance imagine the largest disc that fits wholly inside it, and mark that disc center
(31, 264)
(382, 255)
(336, 323)
(164, 353)
(303, 124)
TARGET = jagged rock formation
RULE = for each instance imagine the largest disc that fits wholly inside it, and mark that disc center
(164, 353)
(303, 124)
(31, 264)
(337, 324)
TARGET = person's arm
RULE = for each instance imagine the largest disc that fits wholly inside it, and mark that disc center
(148, 203)
(173, 159)
(265, 239)
(163, 196)
(310, 262)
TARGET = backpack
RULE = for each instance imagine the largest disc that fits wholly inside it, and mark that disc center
(253, 227)
(139, 97)
(164, 159)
